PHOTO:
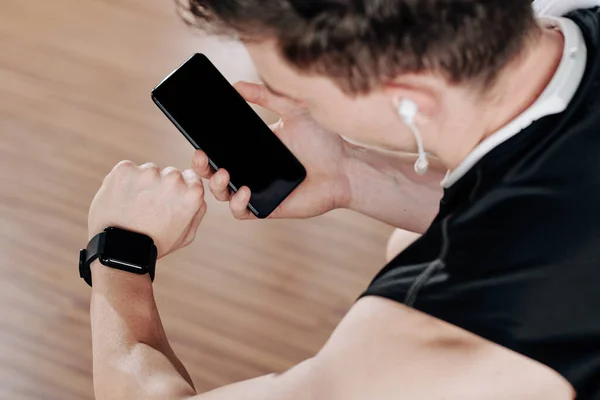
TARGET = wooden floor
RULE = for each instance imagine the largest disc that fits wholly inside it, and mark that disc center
(246, 299)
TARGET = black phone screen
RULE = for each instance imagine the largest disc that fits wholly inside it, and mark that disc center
(215, 118)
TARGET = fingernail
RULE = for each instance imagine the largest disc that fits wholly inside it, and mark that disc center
(189, 175)
(242, 196)
(220, 177)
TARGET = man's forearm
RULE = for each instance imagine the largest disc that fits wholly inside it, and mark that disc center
(385, 187)
(132, 357)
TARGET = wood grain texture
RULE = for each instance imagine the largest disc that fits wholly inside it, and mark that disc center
(247, 298)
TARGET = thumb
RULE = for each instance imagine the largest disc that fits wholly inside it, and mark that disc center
(259, 94)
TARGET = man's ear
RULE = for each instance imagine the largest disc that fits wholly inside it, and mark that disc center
(423, 91)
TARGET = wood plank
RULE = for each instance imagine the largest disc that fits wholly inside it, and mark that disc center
(247, 298)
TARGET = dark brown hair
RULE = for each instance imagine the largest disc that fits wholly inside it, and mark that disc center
(362, 43)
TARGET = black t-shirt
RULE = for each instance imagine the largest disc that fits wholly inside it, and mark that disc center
(514, 253)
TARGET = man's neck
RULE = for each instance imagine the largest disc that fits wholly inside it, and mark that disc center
(518, 87)
(524, 81)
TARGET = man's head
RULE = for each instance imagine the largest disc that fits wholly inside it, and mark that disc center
(349, 61)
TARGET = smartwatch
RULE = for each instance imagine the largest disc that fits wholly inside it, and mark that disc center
(119, 249)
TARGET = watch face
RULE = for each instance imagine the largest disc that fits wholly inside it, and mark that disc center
(126, 249)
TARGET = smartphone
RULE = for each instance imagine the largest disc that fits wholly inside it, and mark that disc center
(215, 118)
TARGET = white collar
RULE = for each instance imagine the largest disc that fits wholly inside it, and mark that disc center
(553, 100)
(561, 7)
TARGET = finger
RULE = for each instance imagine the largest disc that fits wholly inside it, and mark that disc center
(194, 225)
(201, 166)
(124, 164)
(191, 178)
(171, 172)
(150, 167)
(119, 170)
(219, 185)
(259, 94)
(239, 204)
(194, 184)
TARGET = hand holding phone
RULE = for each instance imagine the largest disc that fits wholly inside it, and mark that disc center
(324, 154)
(200, 102)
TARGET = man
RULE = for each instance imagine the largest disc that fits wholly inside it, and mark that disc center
(499, 297)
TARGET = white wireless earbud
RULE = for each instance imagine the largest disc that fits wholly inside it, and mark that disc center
(407, 111)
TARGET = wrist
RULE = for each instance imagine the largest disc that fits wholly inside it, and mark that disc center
(355, 168)
(117, 249)
(106, 278)
(342, 186)
(365, 178)
(385, 187)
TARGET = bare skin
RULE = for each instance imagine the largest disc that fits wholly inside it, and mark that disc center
(398, 242)
(339, 175)
(381, 350)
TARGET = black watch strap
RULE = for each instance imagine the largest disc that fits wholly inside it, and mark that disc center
(89, 255)
(94, 250)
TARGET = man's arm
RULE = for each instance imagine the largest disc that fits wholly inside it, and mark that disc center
(132, 356)
(380, 351)
(384, 186)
